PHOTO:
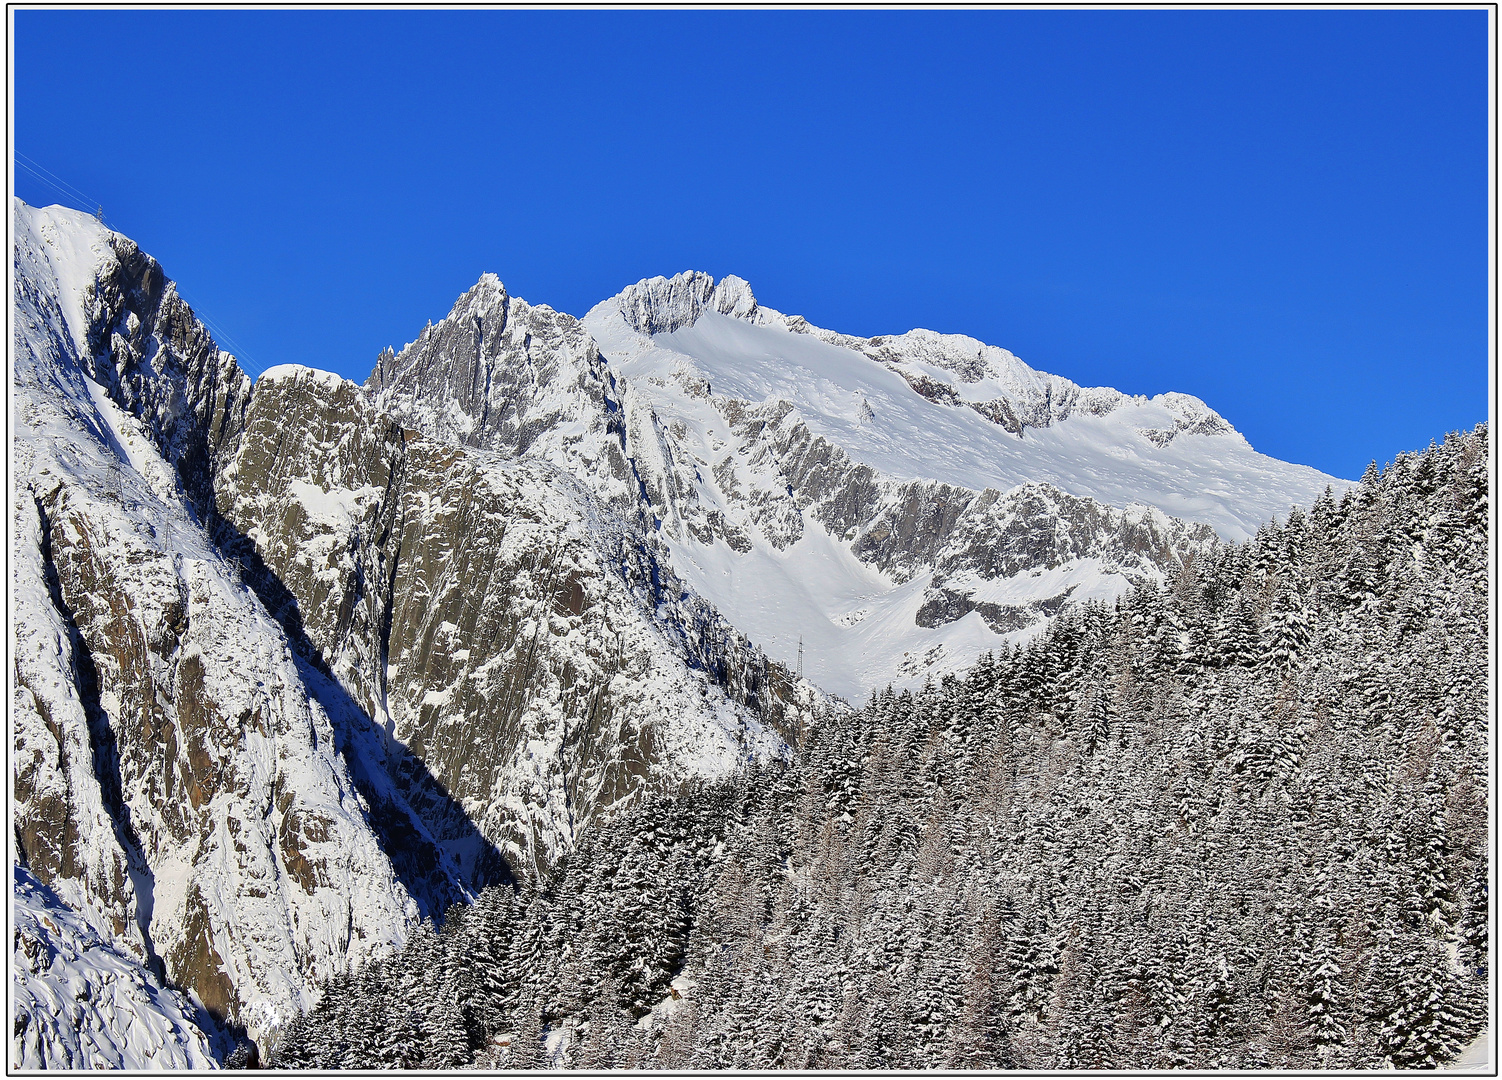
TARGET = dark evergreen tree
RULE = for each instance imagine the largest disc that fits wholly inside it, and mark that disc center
(1236, 821)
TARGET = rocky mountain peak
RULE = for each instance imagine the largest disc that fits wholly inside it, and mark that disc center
(496, 373)
(486, 299)
(481, 308)
(661, 305)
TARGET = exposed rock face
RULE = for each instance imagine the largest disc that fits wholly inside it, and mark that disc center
(661, 305)
(998, 541)
(606, 450)
(66, 823)
(176, 765)
(158, 362)
(469, 601)
(501, 374)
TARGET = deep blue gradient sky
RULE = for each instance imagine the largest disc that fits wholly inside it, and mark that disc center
(1282, 212)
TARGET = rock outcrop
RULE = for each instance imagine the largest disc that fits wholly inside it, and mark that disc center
(480, 606)
(301, 662)
(178, 776)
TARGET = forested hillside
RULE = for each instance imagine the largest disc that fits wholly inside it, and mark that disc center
(1239, 821)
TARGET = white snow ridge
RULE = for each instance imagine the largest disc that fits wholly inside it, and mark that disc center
(787, 457)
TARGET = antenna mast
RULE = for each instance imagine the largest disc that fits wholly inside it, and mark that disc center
(800, 656)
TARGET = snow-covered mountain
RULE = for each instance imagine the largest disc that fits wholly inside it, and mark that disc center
(489, 614)
(291, 676)
(174, 764)
(300, 662)
(896, 503)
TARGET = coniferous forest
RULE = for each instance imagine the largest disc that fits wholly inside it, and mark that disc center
(1238, 821)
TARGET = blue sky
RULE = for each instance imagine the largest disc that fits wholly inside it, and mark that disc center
(1283, 212)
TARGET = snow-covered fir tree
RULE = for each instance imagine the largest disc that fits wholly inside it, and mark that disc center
(1238, 821)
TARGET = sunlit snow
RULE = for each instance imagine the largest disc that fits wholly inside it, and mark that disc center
(856, 624)
(1217, 479)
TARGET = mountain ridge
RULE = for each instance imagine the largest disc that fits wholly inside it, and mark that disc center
(759, 430)
(364, 650)
(663, 305)
(210, 760)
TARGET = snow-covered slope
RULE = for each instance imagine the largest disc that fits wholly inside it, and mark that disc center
(175, 771)
(897, 503)
(945, 407)
(291, 676)
(79, 1001)
(1170, 451)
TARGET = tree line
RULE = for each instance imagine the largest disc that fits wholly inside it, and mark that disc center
(1235, 821)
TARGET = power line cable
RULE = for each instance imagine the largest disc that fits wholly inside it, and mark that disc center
(221, 338)
(37, 165)
(74, 195)
(35, 174)
(69, 198)
(47, 176)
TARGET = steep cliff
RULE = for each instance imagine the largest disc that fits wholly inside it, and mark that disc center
(480, 606)
(177, 770)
